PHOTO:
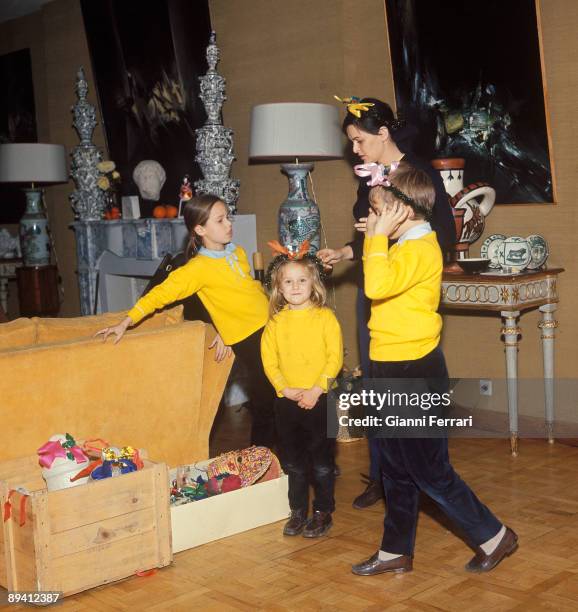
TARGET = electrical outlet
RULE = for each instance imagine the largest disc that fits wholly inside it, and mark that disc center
(485, 387)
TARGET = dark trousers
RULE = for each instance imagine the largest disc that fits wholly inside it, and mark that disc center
(363, 307)
(411, 465)
(261, 393)
(307, 454)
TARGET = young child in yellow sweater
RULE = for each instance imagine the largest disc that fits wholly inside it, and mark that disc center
(302, 351)
(404, 283)
(218, 271)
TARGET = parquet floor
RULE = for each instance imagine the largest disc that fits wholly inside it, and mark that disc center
(535, 493)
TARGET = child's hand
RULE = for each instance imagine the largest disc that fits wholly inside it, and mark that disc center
(391, 218)
(221, 349)
(370, 224)
(292, 393)
(310, 397)
(118, 330)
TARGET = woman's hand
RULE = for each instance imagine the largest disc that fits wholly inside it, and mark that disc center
(391, 218)
(332, 256)
(222, 350)
(292, 393)
(310, 397)
(118, 330)
(361, 225)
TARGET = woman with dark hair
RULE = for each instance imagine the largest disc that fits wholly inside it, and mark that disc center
(379, 139)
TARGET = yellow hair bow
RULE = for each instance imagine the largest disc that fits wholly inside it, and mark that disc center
(354, 105)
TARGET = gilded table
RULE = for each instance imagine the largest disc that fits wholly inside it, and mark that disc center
(510, 295)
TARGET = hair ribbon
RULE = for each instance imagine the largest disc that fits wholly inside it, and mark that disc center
(279, 249)
(354, 105)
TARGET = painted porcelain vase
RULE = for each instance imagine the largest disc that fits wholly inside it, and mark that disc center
(477, 200)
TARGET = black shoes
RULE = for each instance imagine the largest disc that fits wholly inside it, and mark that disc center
(318, 525)
(373, 566)
(296, 523)
(484, 563)
(372, 494)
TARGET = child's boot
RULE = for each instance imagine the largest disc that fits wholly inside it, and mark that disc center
(296, 523)
(318, 525)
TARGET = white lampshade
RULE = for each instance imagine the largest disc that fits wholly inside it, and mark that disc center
(287, 131)
(32, 163)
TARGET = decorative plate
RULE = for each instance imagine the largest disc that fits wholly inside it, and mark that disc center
(489, 249)
(539, 251)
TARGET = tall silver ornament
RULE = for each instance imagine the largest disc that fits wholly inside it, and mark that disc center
(214, 141)
(88, 200)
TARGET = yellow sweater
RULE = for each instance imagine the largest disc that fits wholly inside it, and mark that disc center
(302, 348)
(235, 301)
(404, 284)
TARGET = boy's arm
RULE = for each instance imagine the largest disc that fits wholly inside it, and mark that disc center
(386, 276)
(181, 283)
(270, 359)
(334, 346)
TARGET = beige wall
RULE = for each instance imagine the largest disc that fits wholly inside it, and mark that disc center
(305, 50)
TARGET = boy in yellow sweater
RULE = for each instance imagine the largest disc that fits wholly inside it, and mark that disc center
(302, 351)
(404, 282)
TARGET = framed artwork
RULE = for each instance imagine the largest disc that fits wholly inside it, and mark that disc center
(146, 59)
(469, 75)
(17, 122)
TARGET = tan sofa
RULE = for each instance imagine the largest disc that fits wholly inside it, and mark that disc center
(158, 389)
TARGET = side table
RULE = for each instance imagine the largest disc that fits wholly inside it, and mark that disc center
(510, 295)
(38, 291)
(7, 273)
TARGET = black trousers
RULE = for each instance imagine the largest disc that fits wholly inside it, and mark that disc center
(413, 465)
(261, 393)
(307, 454)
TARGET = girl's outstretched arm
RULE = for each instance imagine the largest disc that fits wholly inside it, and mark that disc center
(118, 330)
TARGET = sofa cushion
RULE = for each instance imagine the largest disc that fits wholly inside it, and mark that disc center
(59, 330)
(20, 332)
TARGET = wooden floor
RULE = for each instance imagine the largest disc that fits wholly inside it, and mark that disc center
(536, 494)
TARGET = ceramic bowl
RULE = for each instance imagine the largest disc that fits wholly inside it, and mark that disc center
(473, 264)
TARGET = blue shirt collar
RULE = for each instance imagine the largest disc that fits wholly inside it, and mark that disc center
(229, 248)
(415, 232)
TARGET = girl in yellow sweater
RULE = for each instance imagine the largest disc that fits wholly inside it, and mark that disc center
(218, 271)
(302, 351)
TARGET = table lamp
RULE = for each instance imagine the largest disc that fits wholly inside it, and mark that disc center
(293, 132)
(33, 164)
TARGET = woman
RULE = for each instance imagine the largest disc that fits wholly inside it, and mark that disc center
(377, 137)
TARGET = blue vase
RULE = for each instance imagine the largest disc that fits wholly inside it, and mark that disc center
(34, 239)
(299, 218)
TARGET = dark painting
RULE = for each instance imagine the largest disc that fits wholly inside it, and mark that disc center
(468, 74)
(17, 122)
(146, 58)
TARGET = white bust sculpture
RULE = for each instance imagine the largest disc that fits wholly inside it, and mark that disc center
(149, 177)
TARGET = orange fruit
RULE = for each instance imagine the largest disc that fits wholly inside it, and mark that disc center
(172, 211)
(115, 212)
(159, 212)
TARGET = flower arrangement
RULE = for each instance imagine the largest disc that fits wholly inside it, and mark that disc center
(109, 181)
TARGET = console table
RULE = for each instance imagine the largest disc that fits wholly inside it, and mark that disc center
(510, 295)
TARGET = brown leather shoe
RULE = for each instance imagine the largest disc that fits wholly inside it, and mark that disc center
(484, 563)
(372, 494)
(318, 525)
(296, 523)
(373, 566)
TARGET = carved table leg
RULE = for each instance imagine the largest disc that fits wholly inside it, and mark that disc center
(510, 332)
(548, 324)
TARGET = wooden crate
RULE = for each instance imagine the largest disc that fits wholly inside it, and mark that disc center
(82, 537)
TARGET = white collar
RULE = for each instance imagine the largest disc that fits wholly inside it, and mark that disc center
(415, 232)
